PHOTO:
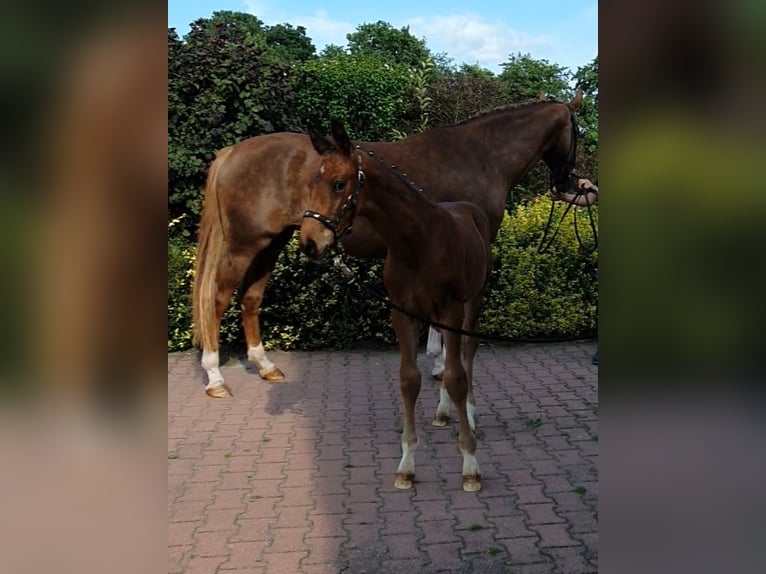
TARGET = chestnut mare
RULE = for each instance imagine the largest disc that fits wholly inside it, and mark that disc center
(256, 189)
(437, 262)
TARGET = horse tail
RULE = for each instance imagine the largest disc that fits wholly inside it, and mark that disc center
(576, 101)
(210, 247)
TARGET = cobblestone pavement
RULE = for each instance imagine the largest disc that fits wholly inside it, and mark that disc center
(297, 477)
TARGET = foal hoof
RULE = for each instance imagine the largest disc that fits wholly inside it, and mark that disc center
(218, 392)
(440, 420)
(273, 375)
(472, 483)
(404, 480)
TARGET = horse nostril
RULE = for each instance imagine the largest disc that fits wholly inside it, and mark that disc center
(310, 248)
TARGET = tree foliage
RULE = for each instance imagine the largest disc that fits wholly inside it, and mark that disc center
(288, 44)
(524, 77)
(586, 78)
(368, 95)
(222, 88)
(392, 45)
(457, 96)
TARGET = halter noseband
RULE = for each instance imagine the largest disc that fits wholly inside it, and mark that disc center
(348, 206)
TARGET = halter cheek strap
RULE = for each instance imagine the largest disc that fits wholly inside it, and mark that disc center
(349, 206)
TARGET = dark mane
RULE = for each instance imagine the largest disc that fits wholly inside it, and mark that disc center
(507, 108)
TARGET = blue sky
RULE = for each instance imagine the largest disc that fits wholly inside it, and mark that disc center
(564, 32)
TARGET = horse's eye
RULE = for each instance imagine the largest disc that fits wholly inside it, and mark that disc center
(339, 186)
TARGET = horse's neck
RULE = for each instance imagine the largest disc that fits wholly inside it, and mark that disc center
(525, 133)
(399, 214)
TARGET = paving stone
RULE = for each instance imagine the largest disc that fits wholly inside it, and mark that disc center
(299, 476)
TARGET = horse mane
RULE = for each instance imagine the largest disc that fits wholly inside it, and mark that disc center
(510, 107)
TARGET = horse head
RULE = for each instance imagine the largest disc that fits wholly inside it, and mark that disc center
(561, 154)
(333, 192)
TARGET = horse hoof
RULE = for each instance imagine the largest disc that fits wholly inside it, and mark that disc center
(472, 483)
(218, 392)
(440, 420)
(438, 376)
(273, 375)
(404, 480)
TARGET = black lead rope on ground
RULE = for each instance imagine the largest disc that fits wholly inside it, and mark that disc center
(340, 264)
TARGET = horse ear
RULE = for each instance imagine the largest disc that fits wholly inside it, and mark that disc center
(576, 101)
(321, 144)
(340, 137)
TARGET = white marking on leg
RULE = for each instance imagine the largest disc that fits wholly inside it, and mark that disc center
(210, 363)
(439, 363)
(444, 402)
(470, 464)
(258, 356)
(407, 464)
(434, 346)
(470, 409)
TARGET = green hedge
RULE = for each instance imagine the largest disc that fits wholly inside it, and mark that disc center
(553, 294)
(309, 305)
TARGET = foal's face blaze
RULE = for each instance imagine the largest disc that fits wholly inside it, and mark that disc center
(328, 192)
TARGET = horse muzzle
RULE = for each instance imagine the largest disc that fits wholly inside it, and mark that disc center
(315, 239)
(309, 247)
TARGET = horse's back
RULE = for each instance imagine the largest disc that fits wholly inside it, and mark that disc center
(470, 212)
(262, 183)
(268, 158)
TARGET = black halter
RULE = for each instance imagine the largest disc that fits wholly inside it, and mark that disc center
(349, 206)
(566, 180)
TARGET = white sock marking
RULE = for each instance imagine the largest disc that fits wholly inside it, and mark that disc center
(434, 346)
(444, 401)
(439, 363)
(258, 356)
(210, 363)
(470, 464)
(407, 464)
(470, 410)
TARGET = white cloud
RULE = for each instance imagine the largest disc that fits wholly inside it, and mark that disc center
(470, 38)
(320, 27)
(464, 37)
(324, 30)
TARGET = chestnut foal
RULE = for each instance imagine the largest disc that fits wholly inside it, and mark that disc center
(437, 263)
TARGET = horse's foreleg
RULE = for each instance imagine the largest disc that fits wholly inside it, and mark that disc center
(409, 384)
(254, 285)
(435, 349)
(456, 384)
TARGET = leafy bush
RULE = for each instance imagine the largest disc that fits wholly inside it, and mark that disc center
(180, 274)
(553, 294)
(309, 305)
(364, 92)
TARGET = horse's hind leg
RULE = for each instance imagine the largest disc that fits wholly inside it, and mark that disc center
(230, 271)
(253, 287)
(409, 385)
(435, 349)
(457, 386)
(469, 347)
